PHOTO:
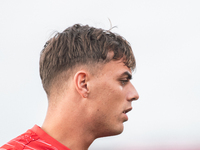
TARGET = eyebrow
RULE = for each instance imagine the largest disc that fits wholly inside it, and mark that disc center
(127, 74)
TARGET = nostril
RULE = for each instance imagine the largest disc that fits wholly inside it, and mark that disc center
(134, 98)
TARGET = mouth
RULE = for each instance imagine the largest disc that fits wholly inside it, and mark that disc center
(127, 110)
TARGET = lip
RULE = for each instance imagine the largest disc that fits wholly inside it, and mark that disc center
(125, 113)
(127, 110)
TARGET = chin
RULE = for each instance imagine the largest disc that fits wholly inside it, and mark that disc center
(115, 131)
(120, 131)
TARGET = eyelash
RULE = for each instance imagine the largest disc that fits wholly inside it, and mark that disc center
(123, 82)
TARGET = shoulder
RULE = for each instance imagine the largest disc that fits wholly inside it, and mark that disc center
(20, 142)
(33, 139)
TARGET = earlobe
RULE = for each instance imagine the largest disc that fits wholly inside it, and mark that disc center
(81, 83)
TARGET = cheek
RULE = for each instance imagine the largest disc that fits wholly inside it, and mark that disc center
(114, 96)
(107, 94)
(120, 88)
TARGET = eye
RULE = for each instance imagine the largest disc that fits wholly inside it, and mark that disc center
(123, 82)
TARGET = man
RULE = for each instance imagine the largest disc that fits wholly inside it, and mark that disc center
(86, 74)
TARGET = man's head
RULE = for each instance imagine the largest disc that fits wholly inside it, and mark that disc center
(88, 72)
(81, 46)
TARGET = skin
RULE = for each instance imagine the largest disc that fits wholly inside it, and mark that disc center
(91, 105)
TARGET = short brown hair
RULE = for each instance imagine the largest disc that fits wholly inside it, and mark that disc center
(81, 45)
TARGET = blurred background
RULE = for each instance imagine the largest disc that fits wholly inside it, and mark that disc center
(165, 37)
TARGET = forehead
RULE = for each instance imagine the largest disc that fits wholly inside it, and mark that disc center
(114, 68)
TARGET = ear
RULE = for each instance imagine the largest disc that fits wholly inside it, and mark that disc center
(81, 83)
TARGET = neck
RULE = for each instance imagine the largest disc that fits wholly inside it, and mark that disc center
(69, 126)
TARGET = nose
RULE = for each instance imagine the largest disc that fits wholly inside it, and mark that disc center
(132, 94)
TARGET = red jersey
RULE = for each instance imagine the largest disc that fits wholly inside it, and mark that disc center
(34, 139)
